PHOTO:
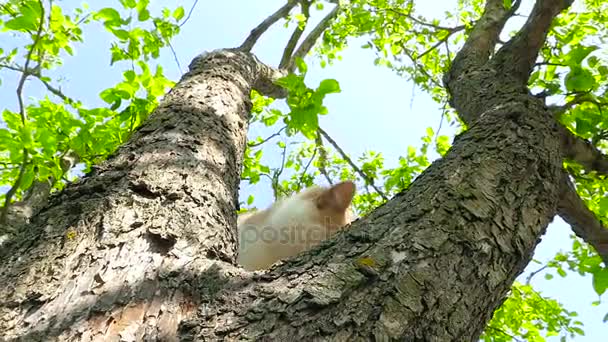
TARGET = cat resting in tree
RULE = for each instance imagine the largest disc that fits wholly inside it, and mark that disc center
(293, 224)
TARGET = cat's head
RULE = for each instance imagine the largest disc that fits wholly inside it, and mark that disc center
(332, 205)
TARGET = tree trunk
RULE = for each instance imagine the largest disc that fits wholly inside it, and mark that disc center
(144, 246)
(124, 251)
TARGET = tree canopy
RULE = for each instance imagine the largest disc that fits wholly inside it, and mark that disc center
(46, 143)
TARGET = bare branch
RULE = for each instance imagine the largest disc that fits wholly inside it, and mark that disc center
(36, 73)
(518, 56)
(420, 22)
(312, 37)
(269, 137)
(583, 152)
(189, 14)
(585, 224)
(353, 165)
(257, 32)
(295, 36)
(322, 158)
(533, 274)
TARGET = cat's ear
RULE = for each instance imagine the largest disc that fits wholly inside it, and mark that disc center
(337, 197)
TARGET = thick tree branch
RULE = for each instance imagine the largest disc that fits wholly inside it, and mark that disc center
(585, 224)
(481, 42)
(583, 152)
(352, 164)
(312, 37)
(518, 56)
(257, 32)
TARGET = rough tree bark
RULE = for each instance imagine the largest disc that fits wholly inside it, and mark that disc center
(144, 246)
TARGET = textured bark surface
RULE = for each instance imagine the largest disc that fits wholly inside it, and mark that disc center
(431, 264)
(144, 246)
(131, 242)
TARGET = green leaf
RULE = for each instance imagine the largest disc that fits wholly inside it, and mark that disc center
(579, 80)
(600, 281)
(576, 56)
(329, 86)
(108, 14)
(301, 65)
(23, 23)
(250, 200)
(178, 14)
(143, 15)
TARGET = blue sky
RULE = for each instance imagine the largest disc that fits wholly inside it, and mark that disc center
(376, 109)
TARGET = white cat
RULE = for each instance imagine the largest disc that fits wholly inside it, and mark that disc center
(293, 225)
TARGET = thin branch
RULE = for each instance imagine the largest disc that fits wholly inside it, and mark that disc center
(314, 154)
(443, 40)
(353, 165)
(533, 274)
(189, 14)
(257, 32)
(295, 36)
(322, 158)
(418, 21)
(179, 67)
(312, 37)
(583, 221)
(269, 137)
(583, 152)
(49, 87)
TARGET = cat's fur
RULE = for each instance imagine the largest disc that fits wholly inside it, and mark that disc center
(293, 225)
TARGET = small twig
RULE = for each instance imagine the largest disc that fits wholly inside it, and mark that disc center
(418, 21)
(49, 87)
(266, 140)
(189, 14)
(350, 162)
(506, 334)
(257, 32)
(314, 154)
(322, 158)
(441, 41)
(529, 278)
(179, 67)
(274, 179)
